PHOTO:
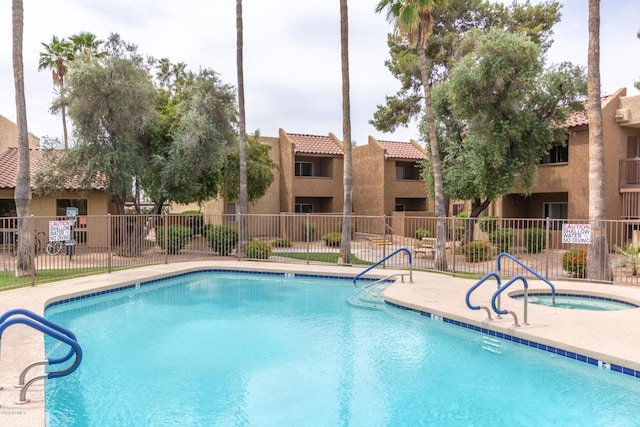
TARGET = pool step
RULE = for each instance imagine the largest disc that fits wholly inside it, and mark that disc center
(491, 344)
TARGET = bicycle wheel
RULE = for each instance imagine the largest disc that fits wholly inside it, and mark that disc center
(54, 248)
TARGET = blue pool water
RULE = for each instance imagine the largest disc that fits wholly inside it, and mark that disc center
(235, 349)
(579, 302)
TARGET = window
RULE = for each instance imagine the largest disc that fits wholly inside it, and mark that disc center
(232, 210)
(304, 169)
(633, 147)
(556, 211)
(8, 208)
(457, 208)
(559, 153)
(399, 208)
(399, 172)
(304, 208)
(407, 170)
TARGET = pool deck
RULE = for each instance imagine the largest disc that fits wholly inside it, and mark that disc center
(612, 337)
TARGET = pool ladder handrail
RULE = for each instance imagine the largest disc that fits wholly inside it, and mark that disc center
(371, 267)
(496, 296)
(529, 269)
(476, 286)
(54, 330)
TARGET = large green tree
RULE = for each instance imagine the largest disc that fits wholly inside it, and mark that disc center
(22, 194)
(345, 245)
(414, 21)
(498, 114)
(598, 263)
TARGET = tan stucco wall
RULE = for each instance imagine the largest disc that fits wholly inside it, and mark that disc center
(9, 135)
(368, 179)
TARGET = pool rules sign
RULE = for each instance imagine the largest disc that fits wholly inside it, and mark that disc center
(576, 233)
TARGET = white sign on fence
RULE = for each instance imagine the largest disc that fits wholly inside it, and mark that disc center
(59, 231)
(576, 233)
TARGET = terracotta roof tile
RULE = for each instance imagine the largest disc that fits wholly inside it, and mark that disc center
(402, 150)
(38, 160)
(315, 144)
(580, 118)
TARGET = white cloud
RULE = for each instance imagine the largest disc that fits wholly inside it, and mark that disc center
(291, 54)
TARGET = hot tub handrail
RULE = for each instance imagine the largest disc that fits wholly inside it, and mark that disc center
(497, 293)
(467, 298)
(371, 267)
(529, 269)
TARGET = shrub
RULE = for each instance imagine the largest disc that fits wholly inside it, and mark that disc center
(422, 233)
(488, 224)
(308, 231)
(503, 239)
(631, 255)
(476, 251)
(535, 240)
(332, 239)
(574, 261)
(178, 237)
(281, 243)
(259, 249)
(194, 221)
(222, 239)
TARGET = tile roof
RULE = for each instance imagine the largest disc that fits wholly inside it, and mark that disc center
(580, 118)
(38, 159)
(315, 144)
(402, 150)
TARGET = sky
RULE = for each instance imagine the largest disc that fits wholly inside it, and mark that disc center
(292, 70)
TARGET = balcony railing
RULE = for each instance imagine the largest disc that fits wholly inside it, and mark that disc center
(629, 174)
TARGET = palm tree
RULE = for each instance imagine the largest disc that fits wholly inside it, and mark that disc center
(345, 246)
(55, 57)
(242, 208)
(85, 43)
(413, 20)
(22, 195)
(598, 265)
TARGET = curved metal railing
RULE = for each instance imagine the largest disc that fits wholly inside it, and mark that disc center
(497, 293)
(529, 269)
(476, 286)
(371, 267)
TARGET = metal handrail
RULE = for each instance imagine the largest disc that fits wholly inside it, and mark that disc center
(371, 267)
(474, 287)
(529, 269)
(497, 293)
(50, 328)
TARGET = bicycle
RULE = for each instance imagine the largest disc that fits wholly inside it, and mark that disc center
(51, 248)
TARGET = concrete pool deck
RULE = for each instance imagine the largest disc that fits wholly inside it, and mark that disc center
(609, 336)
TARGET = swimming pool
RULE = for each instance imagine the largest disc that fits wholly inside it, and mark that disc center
(226, 348)
(574, 301)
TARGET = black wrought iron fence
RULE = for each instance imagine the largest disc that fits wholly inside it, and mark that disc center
(556, 249)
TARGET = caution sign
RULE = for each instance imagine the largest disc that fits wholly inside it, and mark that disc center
(59, 231)
(576, 233)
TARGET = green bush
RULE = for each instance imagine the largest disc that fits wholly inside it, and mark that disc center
(332, 239)
(194, 221)
(488, 224)
(222, 239)
(574, 261)
(178, 237)
(535, 240)
(502, 239)
(259, 249)
(422, 233)
(282, 243)
(308, 231)
(476, 251)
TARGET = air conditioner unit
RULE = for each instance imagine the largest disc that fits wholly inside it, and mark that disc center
(623, 115)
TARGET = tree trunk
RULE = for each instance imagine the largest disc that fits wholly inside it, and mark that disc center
(441, 211)
(598, 262)
(345, 246)
(244, 196)
(22, 194)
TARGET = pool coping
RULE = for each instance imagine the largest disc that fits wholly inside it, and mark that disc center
(441, 297)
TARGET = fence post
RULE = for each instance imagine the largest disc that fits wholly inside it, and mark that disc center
(384, 240)
(307, 235)
(32, 228)
(166, 237)
(109, 248)
(452, 226)
(546, 243)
